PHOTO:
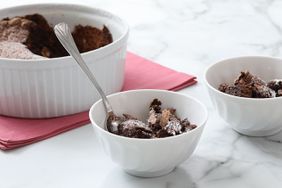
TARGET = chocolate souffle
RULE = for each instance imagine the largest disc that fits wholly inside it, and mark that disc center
(31, 37)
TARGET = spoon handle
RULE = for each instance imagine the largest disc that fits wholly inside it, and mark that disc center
(63, 33)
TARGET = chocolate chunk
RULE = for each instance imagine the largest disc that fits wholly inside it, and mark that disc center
(90, 38)
(161, 133)
(173, 127)
(134, 128)
(223, 87)
(156, 106)
(161, 123)
(187, 126)
(241, 91)
(166, 115)
(247, 79)
(42, 39)
(248, 85)
(262, 91)
(154, 118)
(155, 115)
(279, 93)
(275, 84)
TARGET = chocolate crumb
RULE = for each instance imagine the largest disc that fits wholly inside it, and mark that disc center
(275, 84)
(249, 85)
(160, 123)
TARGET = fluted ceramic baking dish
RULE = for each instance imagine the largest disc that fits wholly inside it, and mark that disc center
(57, 87)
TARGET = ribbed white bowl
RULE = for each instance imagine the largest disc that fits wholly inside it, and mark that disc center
(56, 87)
(249, 116)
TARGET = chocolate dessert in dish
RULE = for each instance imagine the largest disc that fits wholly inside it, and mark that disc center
(251, 86)
(89, 38)
(35, 38)
(160, 123)
(42, 39)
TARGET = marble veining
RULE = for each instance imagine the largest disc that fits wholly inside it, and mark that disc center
(186, 35)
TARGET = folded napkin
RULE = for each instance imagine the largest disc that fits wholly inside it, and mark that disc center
(140, 73)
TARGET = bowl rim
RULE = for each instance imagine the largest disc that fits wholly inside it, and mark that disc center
(238, 58)
(81, 7)
(202, 124)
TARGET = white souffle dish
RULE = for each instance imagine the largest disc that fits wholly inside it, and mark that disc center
(56, 87)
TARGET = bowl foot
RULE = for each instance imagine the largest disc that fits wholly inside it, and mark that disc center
(258, 133)
(146, 174)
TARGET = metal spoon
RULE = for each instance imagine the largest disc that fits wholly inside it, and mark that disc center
(63, 33)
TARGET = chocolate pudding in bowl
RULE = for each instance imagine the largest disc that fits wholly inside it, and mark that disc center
(39, 79)
(160, 123)
(245, 92)
(150, 157)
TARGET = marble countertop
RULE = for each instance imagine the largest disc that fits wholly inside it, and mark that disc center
(186, 36)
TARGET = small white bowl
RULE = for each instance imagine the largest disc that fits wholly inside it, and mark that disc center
(149, 157)
(249, 116)
(44, 88)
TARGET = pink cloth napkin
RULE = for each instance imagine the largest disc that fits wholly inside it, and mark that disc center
(140, 73)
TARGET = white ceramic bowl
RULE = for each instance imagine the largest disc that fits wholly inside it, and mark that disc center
(149, 157)
(56, 87)
(249, 116)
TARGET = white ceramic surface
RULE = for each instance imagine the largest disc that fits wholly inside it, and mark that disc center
(56, 87)
(149, 157)
(254, 117)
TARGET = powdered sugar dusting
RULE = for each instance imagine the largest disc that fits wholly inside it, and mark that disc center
(17, 51)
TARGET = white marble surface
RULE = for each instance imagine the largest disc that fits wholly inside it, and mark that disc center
(186, 36)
